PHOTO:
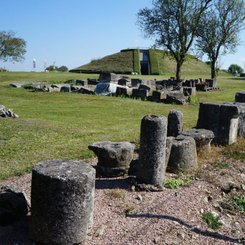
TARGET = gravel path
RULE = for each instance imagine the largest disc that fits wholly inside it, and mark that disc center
(173, 216)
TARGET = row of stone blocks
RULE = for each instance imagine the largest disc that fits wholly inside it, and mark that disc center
(62, 193)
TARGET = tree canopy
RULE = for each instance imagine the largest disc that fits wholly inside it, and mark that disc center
(235, 69)
(219, 28)
(174, 25)
(11, 47)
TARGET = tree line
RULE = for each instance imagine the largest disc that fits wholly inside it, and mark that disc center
(209, 26)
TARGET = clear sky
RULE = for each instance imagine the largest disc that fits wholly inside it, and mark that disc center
(73, 32)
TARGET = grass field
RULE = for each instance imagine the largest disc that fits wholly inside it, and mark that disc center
(62, 125)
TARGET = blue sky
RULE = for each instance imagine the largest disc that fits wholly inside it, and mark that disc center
(73, 32)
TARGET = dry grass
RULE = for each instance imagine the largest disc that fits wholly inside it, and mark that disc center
(116, 193)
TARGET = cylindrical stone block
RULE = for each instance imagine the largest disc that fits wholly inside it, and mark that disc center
(62, 195)
(183, 156)
(175, 123)
(152, 150)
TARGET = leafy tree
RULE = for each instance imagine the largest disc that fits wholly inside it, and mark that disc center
(11, 47)
(219, 28)
(62, 69)
(52, 68)
(174, 25)
(235, 69)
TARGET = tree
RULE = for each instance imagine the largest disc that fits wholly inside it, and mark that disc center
(52, 68)
(235, 69)
(174, 25)
(11, 47)
(219, 28)
(62, 69)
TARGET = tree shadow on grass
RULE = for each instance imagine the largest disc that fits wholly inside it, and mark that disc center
(197, 230)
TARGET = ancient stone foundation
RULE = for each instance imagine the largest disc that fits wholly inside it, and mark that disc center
(223, 120)
(202, 137)
(152, 150)
(183, 156)
(113, 157)
(62, 196)
(175, 123)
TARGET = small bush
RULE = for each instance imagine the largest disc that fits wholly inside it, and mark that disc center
(239, 203)
(177, 182)
(212, 221)
(193, 100)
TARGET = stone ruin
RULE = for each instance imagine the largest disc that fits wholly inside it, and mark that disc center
(62, 191)
(7, 112)
(165, 91)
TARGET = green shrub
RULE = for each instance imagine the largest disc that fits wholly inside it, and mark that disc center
(239, 203)
(177, 182)
(212, 221)
(193, 100)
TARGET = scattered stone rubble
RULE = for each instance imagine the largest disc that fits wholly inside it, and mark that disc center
(165, 91)
(62, 192)
(7, 112)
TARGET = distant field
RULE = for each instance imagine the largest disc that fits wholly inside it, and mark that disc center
(55, 125)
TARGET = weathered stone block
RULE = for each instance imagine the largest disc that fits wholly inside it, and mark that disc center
(240, 97)
(189, 91)
(223, 120)
(176, 97)
(158, 96)
(209, 118)
(146, 87)
(136, 82)
(202, 137)
(229, 119)
(113, 157)
(62, 194)
(183, 156)
(152, 150)
(121, 91)
(175, 123)
(65, 89)
(14, 204)
(140, 93)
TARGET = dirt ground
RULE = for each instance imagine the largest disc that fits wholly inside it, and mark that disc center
(172, 216)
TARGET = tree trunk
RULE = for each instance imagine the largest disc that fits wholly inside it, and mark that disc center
(178, 71)
(213, 69)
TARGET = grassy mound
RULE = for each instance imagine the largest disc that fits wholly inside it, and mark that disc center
(128, 61)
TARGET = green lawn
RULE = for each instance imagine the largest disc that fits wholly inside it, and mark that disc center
(62, 125)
